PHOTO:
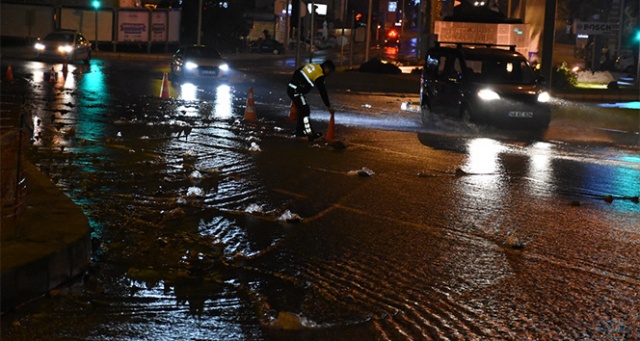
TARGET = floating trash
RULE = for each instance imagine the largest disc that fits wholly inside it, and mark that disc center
(254, 208)
(364, 172)
(195, 175)
(195, 192)
(289, 217)
(254, 147)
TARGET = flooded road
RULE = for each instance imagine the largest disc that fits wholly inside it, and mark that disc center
(209, 227)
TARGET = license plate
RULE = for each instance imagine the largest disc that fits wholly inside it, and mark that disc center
(521, 114)
(209, 72)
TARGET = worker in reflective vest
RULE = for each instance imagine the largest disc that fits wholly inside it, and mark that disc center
(302, 81)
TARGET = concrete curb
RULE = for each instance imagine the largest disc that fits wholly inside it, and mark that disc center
(51, 245)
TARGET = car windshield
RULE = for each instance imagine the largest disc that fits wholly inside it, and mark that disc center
(59, 36)
(202, 53)
(500, 71)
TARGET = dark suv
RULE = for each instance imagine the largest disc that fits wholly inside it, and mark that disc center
(486, 84)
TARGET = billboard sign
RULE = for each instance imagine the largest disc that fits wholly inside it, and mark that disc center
(595, 27)
(133, 26)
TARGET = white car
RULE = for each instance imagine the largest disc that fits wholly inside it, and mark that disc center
(198, 62)
(64, 45)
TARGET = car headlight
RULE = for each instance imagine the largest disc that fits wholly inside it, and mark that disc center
(224, 67)
(39, 46)
(65, 48)
(488, 95)
(190, 65)
(544, 97)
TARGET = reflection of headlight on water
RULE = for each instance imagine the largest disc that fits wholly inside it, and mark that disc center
(223, 104)
(188, 91)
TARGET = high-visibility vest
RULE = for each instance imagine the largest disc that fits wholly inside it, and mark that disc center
(311, 72)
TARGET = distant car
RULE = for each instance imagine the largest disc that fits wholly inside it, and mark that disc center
(198, 62)
(266, 46)
(392, 38)
(626, 62)
(64, 45)
(480, 84)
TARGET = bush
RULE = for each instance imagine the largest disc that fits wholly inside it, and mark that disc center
(562, 78)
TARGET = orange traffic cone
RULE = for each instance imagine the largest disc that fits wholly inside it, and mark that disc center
(331, 135)
(9, 74)
(52, 76)
(250, 111)
(164, 91)
(293, 112)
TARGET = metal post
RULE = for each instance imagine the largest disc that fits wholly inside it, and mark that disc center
(97, 49)
(368, 40)
(199, 21)
(312, 33)
(547, 39)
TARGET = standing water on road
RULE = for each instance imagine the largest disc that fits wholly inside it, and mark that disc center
(207, 227)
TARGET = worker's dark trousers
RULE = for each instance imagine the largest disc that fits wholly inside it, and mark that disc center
(303, 126)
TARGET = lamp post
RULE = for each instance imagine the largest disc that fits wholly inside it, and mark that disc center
(96, 6)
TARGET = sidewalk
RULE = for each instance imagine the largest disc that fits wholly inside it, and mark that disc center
(51, 243)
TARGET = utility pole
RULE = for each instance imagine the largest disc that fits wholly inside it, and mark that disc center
(548, 38)
(368, 40)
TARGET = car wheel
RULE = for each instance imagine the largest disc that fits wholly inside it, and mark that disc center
(426, 114)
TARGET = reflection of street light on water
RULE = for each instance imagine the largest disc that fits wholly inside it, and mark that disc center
(96, 6)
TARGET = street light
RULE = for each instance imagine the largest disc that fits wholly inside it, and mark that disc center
(96, 6)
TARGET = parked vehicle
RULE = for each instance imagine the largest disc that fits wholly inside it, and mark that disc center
(626, 62)
(266, 46)
(198, 62)
(483, 84)
(64, 45)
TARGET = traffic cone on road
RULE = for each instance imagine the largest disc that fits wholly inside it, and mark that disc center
(331, 135)
(293, 112)
(164, 91)
(52, 76)
(250, 111)
(9, 77)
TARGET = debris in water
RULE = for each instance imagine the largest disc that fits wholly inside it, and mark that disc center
(254, 208)
(195, 192)
(289, 217)
(290, 321)
(364, 172)
(460, 172)
(254, 147)
(195, 175)
(514, 242)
